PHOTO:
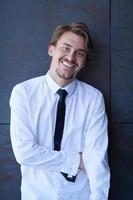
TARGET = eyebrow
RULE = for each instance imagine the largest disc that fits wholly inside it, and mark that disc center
(77, 49)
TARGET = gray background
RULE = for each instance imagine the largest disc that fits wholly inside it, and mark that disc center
(25, 30)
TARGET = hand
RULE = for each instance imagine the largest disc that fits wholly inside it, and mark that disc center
(81, 165)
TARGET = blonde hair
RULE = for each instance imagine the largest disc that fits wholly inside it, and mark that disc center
(77, 28)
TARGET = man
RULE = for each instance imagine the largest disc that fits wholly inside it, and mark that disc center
(77, 167)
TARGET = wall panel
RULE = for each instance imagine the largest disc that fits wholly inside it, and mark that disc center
(121, 61)
(121, 156)
(9, 169)
(27, 27)
(121, 134)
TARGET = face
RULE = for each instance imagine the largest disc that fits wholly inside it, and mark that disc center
(68, 58)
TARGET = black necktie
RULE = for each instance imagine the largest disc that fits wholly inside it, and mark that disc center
(60, 118)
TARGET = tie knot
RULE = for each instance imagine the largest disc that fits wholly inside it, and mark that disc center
(62, 93)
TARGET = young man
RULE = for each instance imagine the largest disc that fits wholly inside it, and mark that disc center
(78, 166)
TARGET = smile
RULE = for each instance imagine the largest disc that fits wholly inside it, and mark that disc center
(66, 64)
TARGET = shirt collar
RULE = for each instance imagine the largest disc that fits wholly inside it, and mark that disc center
(54, 87)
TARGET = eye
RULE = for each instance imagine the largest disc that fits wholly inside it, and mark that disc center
(80, 54)
(66, 49)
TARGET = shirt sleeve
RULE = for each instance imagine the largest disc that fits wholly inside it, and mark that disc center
(95, 152)
(24, 140)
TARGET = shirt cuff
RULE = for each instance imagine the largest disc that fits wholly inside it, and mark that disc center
(71, 164)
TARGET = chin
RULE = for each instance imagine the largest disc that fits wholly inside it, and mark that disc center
(66, 77)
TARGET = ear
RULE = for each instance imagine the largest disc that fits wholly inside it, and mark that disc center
(50, 50)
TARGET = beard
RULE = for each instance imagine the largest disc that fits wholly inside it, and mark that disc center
(67, 70)
(65, 76)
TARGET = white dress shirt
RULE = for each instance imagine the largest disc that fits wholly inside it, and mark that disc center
(33, 115)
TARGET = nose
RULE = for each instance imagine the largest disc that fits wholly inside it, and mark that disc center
(71, 56)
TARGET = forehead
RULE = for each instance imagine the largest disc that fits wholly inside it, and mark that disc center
(72, 39)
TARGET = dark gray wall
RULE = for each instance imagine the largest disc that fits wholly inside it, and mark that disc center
(121, 133)
(25, 29)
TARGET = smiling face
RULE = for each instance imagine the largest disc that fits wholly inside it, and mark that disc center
(68, 58)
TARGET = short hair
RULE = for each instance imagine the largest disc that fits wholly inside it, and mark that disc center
(80, 29)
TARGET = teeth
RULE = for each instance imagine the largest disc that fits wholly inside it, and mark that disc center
(67, 64)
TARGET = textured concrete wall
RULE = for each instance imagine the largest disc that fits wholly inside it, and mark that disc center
(25, 29)
(121, 137)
